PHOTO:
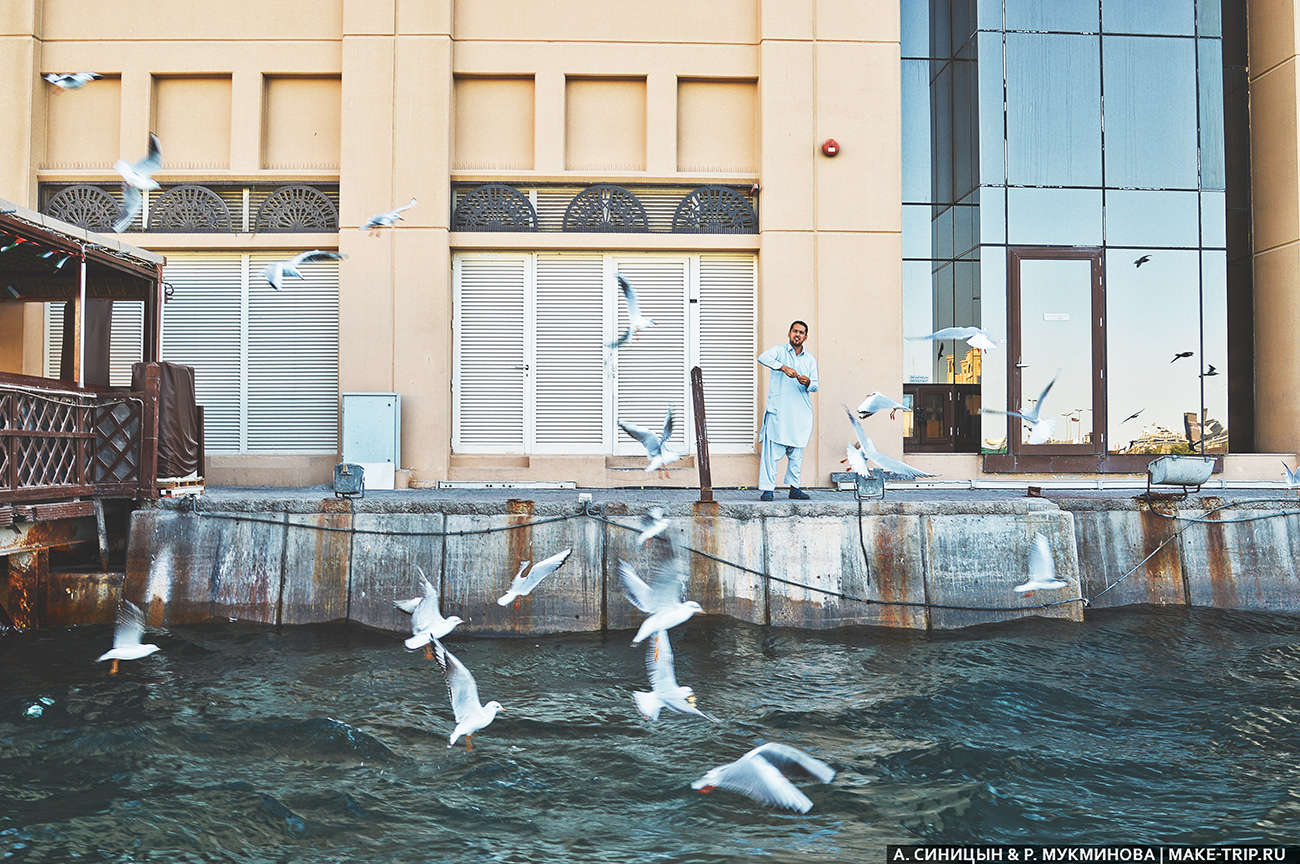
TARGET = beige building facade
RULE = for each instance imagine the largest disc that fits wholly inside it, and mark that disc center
(373, 103)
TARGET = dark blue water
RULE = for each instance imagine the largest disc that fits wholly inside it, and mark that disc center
(329, 743)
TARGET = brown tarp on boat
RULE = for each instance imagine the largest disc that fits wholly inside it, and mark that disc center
(178, 418)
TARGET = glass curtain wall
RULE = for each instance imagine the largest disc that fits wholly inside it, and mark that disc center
(1096, 124)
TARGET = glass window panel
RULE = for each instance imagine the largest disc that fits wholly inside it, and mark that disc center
(1209, 17)
(1210, 74)
(917, 242)
(1156, 17)
(1060, 217)
(963, 23)
(941, 134)
(993, 214)
(941, 288)
(1152, 313)
(989, 14)
(991, 129)
(1056, 342)
(1214, 317)
(1150, 112)
(1144, 218)
(914, 28)
(918, 314)
(966, 228)
(993, 318)
(1213, 218)
(943, 231)
(1053, 110)
(1071, 16)
(916, 130)
(965, 135)
(940, 24)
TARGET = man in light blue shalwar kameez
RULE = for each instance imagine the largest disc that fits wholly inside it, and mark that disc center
(788, 416)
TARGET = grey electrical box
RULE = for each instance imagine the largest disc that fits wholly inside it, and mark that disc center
(372, 435)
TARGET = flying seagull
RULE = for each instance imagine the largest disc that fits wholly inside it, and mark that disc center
(636, 322)
(975, 337)
(137, 178)
(758, 774)
(1292, 478)
(470, 714)
(127, 636)
(1180, 355)
(1140, 261)
(1040, 428)
(524, 585)
(1042, 570)
(1133, 416)
(277, 271)
(868, 451)
(660, 599)
(72, 80)
(427, 623)
(877, 401)
(665, 692)
(1211, 372)
(654, 524)
(387, 218)
(656, 446)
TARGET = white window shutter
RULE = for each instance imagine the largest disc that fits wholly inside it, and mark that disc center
(728, 346)
(126, 344)
(651, 369)
(293, 358)
(569, 368)
(202, 327)
(491, 353)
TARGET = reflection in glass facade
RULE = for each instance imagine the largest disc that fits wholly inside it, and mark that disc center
(1092, 123)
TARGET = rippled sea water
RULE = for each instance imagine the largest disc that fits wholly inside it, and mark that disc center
(328, 743)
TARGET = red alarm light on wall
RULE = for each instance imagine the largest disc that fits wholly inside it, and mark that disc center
(830, 147)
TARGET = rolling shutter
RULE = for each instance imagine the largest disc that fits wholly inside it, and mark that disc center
(491, 348)
(569, 372)
(125, 348)
(651, 370)
(728, 346)
(293, 358)
(203, 327)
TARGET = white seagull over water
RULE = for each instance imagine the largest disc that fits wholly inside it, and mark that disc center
(661, 599)
(387, 218)
(636, 322)
(1040, 428)
(471, 715)
(665, 692)
(654, 524)
(656, 446)
(1292, 478)
(72, 80)
(137, 178)
(976, 337)
(1042, 569)
(427, 623)
(867, 452)
(877, 401)
(277, 271)
(127, 636)
(524, 585)
(758, 774)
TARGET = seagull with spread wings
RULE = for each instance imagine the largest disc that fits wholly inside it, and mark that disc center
(72, 80)
(471, 715)
(1040, 428)
(636, 322)
(1042, 569)
(277, 271)
(137, 179)
(877, 401)
(758, 774)
(524, 585)
(665, 692)
(127, 637)
(387, 218)
(1292, 478)
(661, 598)
(656, 446)
(427, 623)
(976, 337)
(654, 524)
(866, 451)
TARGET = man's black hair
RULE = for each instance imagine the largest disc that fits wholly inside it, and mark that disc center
(804, 323)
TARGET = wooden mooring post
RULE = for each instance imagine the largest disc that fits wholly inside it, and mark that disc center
(701, 434)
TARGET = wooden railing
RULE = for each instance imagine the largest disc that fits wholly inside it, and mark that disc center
(61, 441)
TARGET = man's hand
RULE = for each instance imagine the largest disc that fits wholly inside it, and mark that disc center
(789, 372)
(803, 379)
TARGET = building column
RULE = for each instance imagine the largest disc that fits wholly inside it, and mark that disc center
(22, 103)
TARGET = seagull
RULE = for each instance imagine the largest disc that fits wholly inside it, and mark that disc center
(1211, 373)
(655, 524)
(277, 271)
(868, 451)
(126, 638)
(758, 775)
(1180, 355)
(1292, 478)
(662, 600)
(1040, 430)
(665, 692)
(137, 178)
(636, 322)
(877, 401)
(656, 446)
(386, 219)
(1042, 570)
(471, 715)
(72, 80)
(1140, 261)
(1133, 416)
(975, 337)
(427, 623)
(524, 585)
